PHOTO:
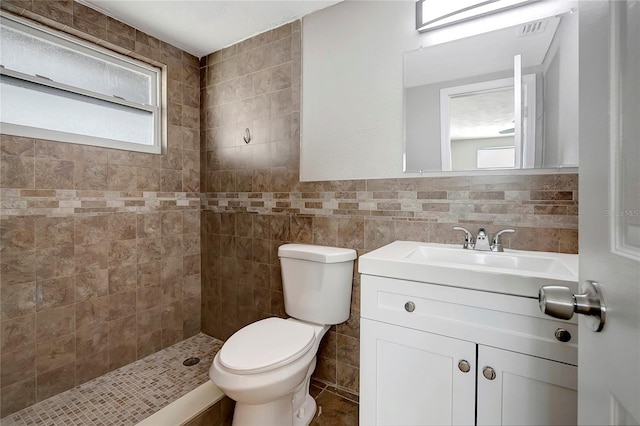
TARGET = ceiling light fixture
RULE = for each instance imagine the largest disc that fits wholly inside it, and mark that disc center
(432, 14)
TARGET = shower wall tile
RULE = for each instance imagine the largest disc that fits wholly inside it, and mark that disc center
(91, 250)
(17, 172)
(17, 334)
(25, 358)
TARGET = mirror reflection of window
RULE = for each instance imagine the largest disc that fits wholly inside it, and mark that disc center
(496, 158)
(464, 153)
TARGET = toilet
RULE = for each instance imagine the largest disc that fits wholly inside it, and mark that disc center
(266, 366)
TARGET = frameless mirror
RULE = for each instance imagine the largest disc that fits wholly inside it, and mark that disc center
(506, 99)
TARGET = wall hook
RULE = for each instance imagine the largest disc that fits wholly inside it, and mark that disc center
(247, 135)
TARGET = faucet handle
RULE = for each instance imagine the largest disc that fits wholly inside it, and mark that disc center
(468, 238)
(496, 245)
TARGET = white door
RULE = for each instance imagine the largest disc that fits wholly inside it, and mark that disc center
(518, 389)
(609, 361)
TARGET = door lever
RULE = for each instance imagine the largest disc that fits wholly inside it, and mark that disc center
(559, 302)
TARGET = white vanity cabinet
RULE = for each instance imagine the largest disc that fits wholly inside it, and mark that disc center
(443, 355)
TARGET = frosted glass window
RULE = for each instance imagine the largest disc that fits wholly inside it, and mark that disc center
(60, 88)
(497, 158)
(32, 105)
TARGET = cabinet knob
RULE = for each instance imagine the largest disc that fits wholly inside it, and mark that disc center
(409, 306)
(464, 366)
(562, 335)
(489, 373)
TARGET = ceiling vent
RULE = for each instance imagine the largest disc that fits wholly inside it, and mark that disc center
(531, 28)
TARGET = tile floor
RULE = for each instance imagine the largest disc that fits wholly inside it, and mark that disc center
(336, 407)
(129, 394)
(135, 391)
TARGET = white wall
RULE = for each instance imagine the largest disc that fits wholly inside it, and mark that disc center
(464, 152)
(561, 96)
(352, 84)
(352, 89)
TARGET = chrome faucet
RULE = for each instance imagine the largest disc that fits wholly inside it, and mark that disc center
(481, 241)
(496, 245)
(468, 238)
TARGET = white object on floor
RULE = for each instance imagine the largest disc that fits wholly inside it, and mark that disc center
(187, 407)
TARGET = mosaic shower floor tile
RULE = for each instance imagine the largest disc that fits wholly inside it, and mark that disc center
(129, 394)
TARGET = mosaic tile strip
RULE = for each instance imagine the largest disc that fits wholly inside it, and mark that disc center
(540, 208)
(129, 394)
(63, 202)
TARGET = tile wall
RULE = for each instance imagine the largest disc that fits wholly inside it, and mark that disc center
(100, 248)
(252, 200)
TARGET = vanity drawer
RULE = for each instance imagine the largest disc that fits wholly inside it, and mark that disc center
(500, 320)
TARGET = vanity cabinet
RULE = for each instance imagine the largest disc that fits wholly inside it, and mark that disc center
(442, 355)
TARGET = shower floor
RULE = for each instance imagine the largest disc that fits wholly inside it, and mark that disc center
(129, 394)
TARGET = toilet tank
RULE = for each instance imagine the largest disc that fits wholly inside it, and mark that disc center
(317, 281)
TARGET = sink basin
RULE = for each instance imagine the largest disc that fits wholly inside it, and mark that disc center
(515, 272)
(509, 261)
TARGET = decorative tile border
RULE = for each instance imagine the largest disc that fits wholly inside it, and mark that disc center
(535, 208)
(62, 202)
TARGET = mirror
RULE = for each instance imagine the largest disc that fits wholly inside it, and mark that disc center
(506, 99)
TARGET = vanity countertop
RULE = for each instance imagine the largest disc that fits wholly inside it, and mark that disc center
(515, 272)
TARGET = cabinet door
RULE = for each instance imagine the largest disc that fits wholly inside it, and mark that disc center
(410, 377)
(526, 390)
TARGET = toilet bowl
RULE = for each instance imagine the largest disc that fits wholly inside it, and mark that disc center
(266, 366)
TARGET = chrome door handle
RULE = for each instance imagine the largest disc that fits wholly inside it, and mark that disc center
(559, 302)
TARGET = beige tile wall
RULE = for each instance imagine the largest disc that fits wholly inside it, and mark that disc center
(253, 202)
(100, 248)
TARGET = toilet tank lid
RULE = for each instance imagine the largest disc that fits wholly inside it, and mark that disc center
(322, 254)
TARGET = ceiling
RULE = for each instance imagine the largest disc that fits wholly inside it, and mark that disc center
(201, 27)
(489, 52)
(481, 114)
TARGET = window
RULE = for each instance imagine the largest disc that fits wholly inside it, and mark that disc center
(502, 157)
(59, 88)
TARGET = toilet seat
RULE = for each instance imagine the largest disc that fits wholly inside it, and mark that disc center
(266, 345)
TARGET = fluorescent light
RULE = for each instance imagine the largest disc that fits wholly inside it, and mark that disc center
(432, 14)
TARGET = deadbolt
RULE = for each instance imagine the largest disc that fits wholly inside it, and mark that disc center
(464, 366)
(409, 306)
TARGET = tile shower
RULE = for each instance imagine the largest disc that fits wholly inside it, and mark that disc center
(109, 256)
(100, 248)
